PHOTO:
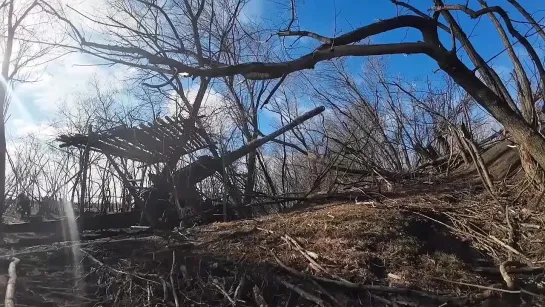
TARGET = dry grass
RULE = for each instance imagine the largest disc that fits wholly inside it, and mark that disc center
(409, 248)
(362, 243)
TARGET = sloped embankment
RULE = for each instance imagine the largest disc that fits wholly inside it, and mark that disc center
(427, 249)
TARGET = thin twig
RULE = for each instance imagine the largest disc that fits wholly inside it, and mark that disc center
(258, 297)
(239, 289)
(176, 302)
(326, 293)
(309, 296)
(305, 254)
(539, 198)
(102, 264)
(478, 286)
(222, 290)
(507, 247)
(165, 289)
(508, 280)
(493, 238)
(10, 288)
(365, 288)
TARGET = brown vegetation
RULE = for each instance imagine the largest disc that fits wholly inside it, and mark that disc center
(232, 169)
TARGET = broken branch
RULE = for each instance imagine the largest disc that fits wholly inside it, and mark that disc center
(10, 288)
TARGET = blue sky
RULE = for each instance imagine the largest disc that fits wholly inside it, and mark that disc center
(331, 18)
(64, 79)
(320, 16)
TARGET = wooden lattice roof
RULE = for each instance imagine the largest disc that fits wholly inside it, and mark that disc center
(151, 143)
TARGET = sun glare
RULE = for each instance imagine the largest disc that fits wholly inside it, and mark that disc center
(18, 108)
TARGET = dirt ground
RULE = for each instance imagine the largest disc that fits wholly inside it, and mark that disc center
(440, 247)
(426, 242)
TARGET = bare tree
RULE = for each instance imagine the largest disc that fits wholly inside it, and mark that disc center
(22, 28)
(486, 88)
(37, 170)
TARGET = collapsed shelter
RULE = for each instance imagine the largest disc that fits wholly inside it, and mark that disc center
(165, 141)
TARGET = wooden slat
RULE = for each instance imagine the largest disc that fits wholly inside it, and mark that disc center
(161, 127)
(175, 125)
(172, 130)
(151, 132)
(195, 140)
(137, 136)
(135, 151)
(168, 129)
(150, 143)
(189, 146)
(120, 143)
(115, 130)
(163, 148)
(105, 148)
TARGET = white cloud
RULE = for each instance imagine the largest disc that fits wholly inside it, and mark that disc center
(68, 76)
(253, 11)
(42, 131)
(35, 104)
(59, 81)
(214, 107)
(62, 80)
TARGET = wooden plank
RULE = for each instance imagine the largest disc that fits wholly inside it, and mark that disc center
(161, 127)
(136, 138)
(145, 140)
(119, 143)
(172, 137)
(175, 133)
(164, 147)
(178, 136)
(195, 141)
(174, 125)
(145, 143)
(118, 152)
(132, 145)
(151, 133)
(116, 131)
(129, 136)
(127, 147)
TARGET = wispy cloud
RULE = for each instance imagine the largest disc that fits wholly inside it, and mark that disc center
(60, 85)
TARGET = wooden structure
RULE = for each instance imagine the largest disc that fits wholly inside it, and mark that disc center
(166, 141)
(151, 143)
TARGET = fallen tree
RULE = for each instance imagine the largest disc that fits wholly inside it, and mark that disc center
(185, 179)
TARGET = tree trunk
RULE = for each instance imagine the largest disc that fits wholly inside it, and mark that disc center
(250, 179)
(525, 97)
(3, 102)
(12, 282)
(2, 168)
(531, 168)
(268, 177)
(84, 164)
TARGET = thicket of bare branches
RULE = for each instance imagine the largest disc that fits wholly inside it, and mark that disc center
(23, 26)
(233, 80)
(243, 81)
(154, 44)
